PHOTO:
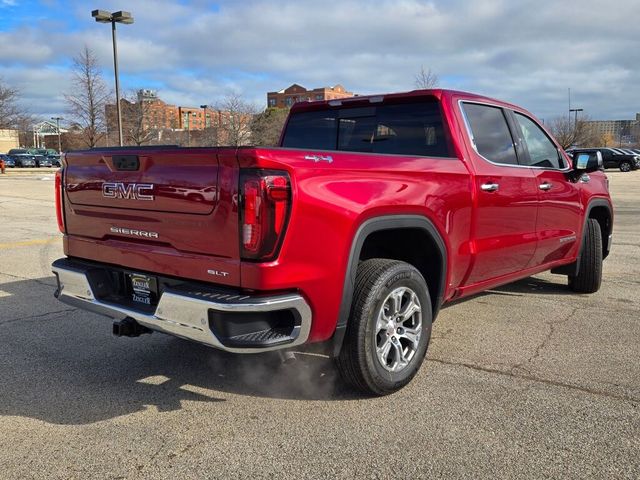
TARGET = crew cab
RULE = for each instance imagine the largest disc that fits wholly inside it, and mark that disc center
(373, 213)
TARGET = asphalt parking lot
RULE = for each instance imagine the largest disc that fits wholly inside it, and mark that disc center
(528, 380)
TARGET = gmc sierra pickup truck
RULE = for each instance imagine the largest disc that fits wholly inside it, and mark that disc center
(372, 213)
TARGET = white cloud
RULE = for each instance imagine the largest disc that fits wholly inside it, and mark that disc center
(528, 52)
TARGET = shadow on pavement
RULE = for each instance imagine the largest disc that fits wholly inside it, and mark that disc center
(536, 286)
(63, 366)
(526, 286)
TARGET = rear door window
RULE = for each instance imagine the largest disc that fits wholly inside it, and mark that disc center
(490, 133)
(606, 153)
(407, 129)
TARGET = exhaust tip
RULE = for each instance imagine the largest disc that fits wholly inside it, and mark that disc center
(287, 357)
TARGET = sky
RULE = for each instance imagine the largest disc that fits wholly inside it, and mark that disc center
(196, 52)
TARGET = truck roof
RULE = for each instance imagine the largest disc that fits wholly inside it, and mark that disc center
(438, 93)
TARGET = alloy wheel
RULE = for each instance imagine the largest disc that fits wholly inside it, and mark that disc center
(398, 329)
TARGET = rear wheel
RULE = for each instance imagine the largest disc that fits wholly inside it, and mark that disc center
(589, 275)
(625, 166)
(389, 328)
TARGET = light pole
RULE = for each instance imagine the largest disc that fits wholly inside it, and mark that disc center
(204, 109)
(189, 127)
(57, 119)
(102, 16)
(575, 123)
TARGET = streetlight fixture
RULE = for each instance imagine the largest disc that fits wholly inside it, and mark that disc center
(576, 110)
(102, 16)
(57, 119)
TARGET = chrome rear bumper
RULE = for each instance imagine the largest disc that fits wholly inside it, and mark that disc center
(186, 314)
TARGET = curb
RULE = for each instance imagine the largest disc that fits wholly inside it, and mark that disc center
(29, 171)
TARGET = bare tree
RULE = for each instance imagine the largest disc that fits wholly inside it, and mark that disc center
(589, 136)
(10, 112)
(87, 99)
(25, 124)
(135, 120)
(426, 79)
(208, 137)
(569, 132)
(608, 140)
(563, 131)
(236, 118)
(267, 126)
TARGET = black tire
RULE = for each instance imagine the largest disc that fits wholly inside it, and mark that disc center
(625, 166)
(589, 275)
(358, 362)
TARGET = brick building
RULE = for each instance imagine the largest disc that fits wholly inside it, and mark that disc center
(297, 93)
(154, 114)
(147, 119)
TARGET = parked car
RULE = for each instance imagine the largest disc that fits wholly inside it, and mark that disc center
(8, 161)
(612, 157)
(18, 151)
(372, 214)
(55, 160)
(38, 159)
(44, 161)
(24, 160)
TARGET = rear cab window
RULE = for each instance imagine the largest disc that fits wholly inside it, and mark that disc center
(415, 128)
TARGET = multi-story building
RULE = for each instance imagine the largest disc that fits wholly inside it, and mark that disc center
(296, 93)
(624, 131)
(147, 119)
(154, 114)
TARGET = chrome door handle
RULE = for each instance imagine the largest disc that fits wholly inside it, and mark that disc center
(545, 186)
(489, 187)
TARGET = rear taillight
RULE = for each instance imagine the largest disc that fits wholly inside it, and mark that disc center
(59, 207)
(265, 202)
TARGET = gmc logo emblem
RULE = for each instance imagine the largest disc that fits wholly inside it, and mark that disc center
(129, 191)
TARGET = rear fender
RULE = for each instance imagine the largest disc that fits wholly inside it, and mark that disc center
(367, 228)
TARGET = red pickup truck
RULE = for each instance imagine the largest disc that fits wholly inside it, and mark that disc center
(373, 213)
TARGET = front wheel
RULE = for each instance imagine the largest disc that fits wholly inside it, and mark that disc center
(625, 166)
(589, 275)
(389, 327)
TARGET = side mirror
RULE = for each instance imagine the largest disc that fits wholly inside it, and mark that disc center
(588, 162)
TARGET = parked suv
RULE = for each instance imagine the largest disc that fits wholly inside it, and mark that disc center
(612, 157)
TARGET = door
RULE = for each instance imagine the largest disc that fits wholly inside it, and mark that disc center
(608, 159)
(559, 209)
(504, 224)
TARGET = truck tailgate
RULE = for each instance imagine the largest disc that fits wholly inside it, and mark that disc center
(168, 210)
